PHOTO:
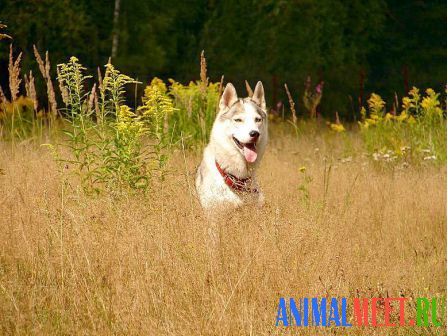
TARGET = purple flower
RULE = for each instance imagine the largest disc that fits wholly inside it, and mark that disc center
(319, 88)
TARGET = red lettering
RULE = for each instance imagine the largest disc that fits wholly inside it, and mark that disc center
(388, 310)
(361, 312)
(374, 312)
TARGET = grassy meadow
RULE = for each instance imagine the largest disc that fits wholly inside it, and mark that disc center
(101, 231)
(139, 264)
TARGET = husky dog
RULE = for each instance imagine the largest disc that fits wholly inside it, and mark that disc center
(226, 177)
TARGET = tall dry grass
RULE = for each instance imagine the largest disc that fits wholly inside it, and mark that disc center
(30, 89)
(45, 70)
(14, 74)
(72, 264)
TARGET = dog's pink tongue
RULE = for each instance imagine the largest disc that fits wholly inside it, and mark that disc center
(250, 153)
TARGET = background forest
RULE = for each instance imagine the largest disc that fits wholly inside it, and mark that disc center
(355, 47)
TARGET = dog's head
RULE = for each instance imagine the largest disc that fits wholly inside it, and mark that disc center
(243, 121)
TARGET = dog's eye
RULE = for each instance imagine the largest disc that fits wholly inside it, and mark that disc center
(238, 120)
(258, 119)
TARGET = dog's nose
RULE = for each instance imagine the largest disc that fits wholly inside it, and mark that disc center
(254, 134)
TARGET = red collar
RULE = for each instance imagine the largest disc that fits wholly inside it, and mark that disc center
(236, 183)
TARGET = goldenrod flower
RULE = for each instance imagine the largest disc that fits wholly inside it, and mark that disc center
(402, 117)
(406, 103)
(159, 84)
(389, 117)
(363, 113)
(430, 103)
(339, 128)
(430, 92)
(157, 106)
(376, 111)
(414, 92)
(376, 104)
(128, 122)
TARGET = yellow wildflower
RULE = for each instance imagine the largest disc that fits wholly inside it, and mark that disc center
(159, 84)
(157, 106)
(363, 113)
(403, 116)
(414, 93)
(364, 125)
(430, 103)
(388, 117)
(430, 92)
(339, 128)
(376, 104)
(128, 123)
(406, 103)
(156, 101)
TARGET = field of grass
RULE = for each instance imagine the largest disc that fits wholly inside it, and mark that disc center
(126, 264)
(101, 231)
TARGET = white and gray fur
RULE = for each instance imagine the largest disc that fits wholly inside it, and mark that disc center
(236, 118)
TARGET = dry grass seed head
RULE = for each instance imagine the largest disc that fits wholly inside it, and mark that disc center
(45, 67)
(292, 105)
(203, 72)
(50, 88)
(3, 98)
(39, 62)
(99, 79)
(91, 98)
(14, 74)
(30, 88)
(2, 35)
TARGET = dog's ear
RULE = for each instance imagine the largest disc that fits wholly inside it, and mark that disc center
(258, 95)
(229, 97)
(249, 90)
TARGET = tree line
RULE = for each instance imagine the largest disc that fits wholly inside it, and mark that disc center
(355, 47)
